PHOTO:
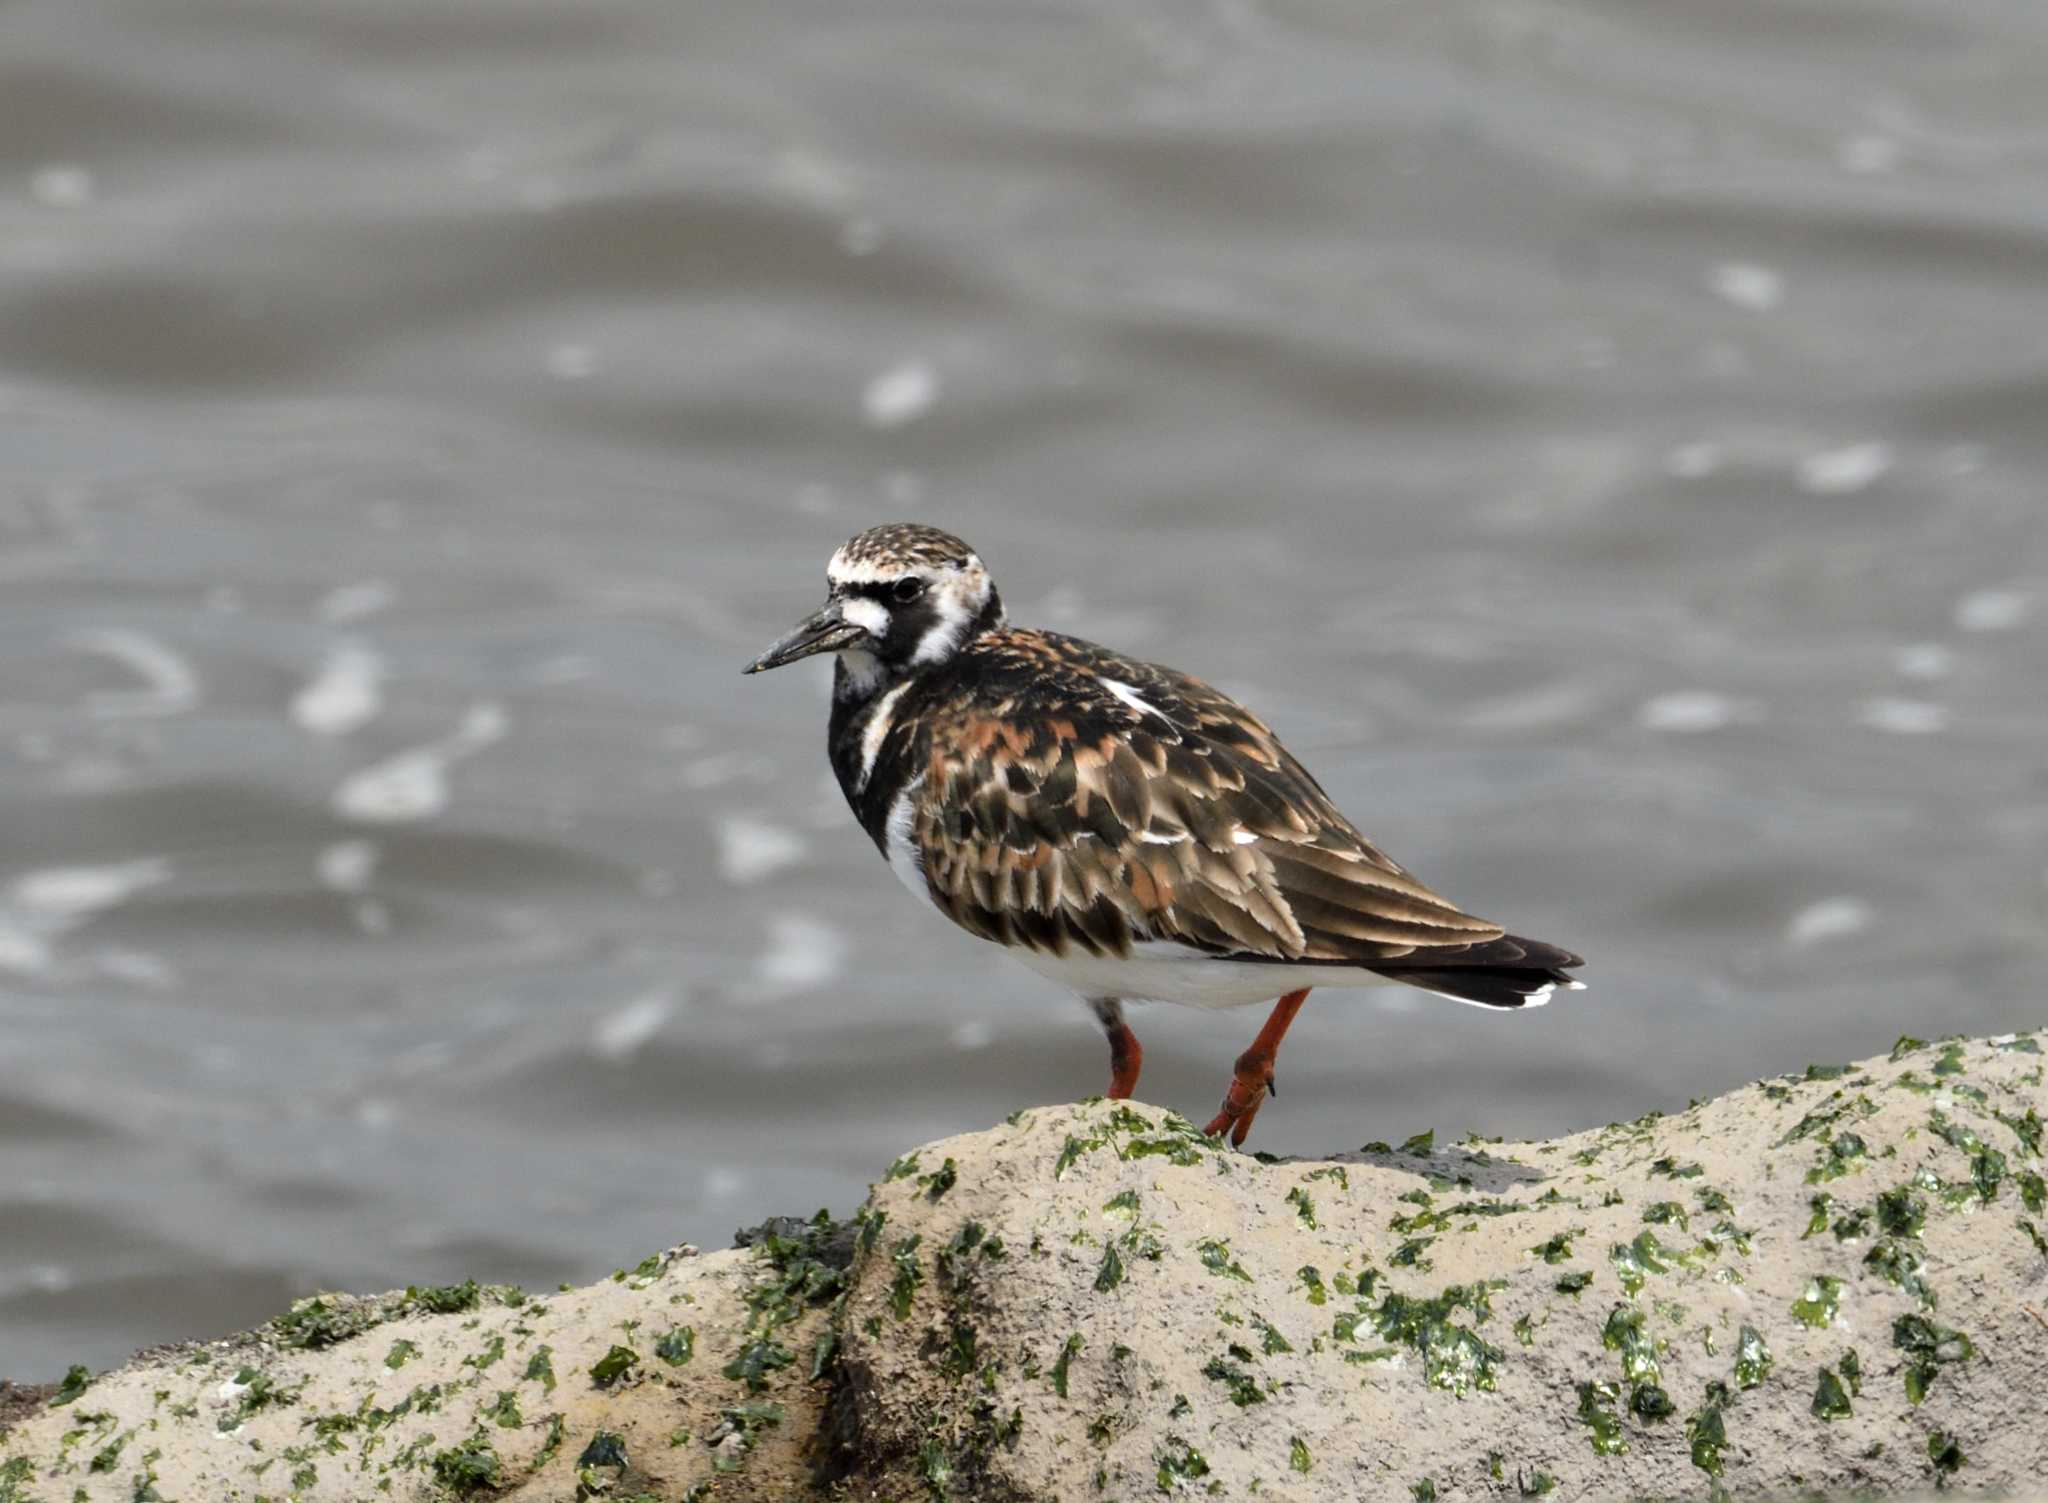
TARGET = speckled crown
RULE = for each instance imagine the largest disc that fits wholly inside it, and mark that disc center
(901, 545)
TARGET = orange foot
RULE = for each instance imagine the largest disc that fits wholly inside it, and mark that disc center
(1247, 1093)
(1252, 1081)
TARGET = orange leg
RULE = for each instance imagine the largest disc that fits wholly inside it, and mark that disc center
(1126, 1058)
(1126, 1055)
(1253, 1077)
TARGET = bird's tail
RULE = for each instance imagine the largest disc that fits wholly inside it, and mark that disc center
(1507, 972)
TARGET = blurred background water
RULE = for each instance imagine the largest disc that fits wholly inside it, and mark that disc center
(1607, 440)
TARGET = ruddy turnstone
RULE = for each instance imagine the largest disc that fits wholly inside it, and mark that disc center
(1118, 826)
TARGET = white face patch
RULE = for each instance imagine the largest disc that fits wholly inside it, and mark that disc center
(879, 720)
(871, 616)
(943, 638)
(863, 673)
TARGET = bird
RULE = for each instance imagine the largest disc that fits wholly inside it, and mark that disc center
(1122, 828)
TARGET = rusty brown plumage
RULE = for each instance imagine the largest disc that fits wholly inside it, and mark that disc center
(1060, 813)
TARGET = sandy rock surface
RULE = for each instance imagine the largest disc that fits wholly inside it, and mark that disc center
(1831, 1282)
(615, 1390)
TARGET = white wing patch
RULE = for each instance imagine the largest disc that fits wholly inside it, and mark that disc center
(1129, 696)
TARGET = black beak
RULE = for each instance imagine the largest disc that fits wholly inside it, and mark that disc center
(825, 630)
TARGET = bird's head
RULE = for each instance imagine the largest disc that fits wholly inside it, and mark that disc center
(900, 599)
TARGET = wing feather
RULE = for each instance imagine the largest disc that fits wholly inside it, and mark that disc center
(1057, 814)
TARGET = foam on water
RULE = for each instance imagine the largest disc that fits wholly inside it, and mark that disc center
(803, 954)
(1993, 610)
(62, 185)
(1748, 285)
(353, 602)
(620, 1035)
(1904, 717)
(1688, 711)
(413, 785)
(346, 695)
(900, 394)
(1831, 918)
(68, 894)
(1844, 471)
(752, 850)
(1924, 660)
(348, 865)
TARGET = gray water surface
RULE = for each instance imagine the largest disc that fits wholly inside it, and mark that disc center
(1607, 441)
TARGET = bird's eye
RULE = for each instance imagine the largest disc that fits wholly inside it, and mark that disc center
(907, 589)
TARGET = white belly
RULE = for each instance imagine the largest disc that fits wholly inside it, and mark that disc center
(1160, 971)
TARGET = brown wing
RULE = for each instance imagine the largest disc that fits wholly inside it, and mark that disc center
(1057, 812)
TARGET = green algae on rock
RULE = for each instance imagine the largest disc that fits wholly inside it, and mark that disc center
(907, 1351)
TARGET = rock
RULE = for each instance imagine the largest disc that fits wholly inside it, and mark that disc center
(1829, 1282)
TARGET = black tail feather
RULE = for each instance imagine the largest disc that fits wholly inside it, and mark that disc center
(1507, 972)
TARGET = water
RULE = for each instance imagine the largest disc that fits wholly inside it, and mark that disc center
(1605, 440)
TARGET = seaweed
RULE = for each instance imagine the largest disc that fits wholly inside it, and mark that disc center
(1559, 1247)
(1901, 1213)
(1753, 1360)
(1243, 1387)
(1111, 1273)
(1179, 1464)
(444, 1299)
(1946, 1455)
(1843, 1155)
(1454, 1357)
(1061, 1368)
(1706, 1431)
(909, 1274)
(77, 1378)
(1830, 1400)
(1821, 1302)
(316, 1323)
(1928, 1348)
(1624, 1333)
(1215, 1256)
(1596, 1413)
(619, 1361)
(467, 1468)
(1633, 1260)
(1901, 1265)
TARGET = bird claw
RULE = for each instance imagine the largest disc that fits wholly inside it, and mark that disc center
(1241, 1104)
